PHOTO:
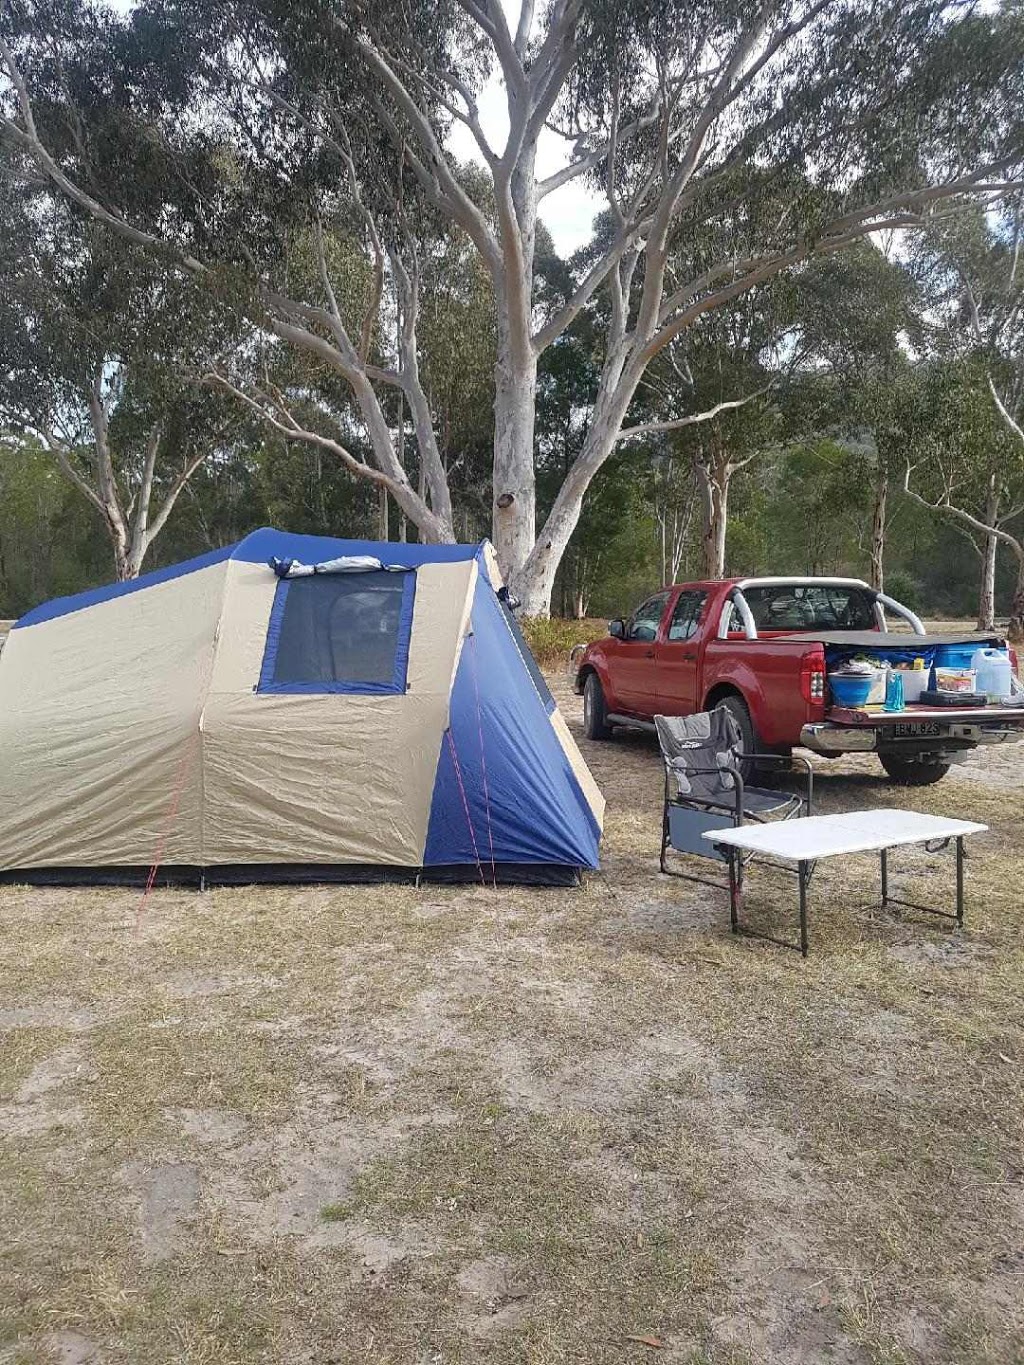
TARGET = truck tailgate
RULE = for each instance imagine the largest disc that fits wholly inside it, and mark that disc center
(856, 716)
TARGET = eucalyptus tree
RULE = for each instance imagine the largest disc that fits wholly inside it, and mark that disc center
(96, 368)
(860, 321)
(958, 447)
(713, 401)
(972, 275)
(873, 113)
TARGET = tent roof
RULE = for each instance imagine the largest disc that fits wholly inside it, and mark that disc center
(259, 547)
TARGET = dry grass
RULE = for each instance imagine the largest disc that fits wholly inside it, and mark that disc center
(386, 1125)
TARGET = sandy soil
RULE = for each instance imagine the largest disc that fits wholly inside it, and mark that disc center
(442, 1126)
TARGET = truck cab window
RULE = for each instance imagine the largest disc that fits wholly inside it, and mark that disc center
(686, 615)
(816, 606)
(643, 625)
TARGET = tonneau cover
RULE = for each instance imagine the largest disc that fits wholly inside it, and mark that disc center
(890, 639)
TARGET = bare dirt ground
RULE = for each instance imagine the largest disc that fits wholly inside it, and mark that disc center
(322, 1126)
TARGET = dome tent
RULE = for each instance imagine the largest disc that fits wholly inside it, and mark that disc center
(235, 725)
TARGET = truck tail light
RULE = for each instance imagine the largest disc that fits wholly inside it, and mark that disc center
(812, 678)
(1014, 664)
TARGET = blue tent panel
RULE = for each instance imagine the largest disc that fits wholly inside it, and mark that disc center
(63, 606)
(257, 548)
(504, 788)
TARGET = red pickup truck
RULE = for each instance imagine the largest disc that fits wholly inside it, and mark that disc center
(763, 647)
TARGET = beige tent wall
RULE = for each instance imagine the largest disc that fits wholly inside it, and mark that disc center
(99, 715)
(326, 778)
(590, 789)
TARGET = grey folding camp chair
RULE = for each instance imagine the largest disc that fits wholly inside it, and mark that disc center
(704, 787)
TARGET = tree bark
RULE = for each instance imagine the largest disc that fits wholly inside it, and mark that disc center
(878, 524)
(714, 473)
(534, 582)
(514, 492)
(987, 587)
(514, 497)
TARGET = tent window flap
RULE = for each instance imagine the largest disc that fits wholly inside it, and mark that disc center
(340, 633)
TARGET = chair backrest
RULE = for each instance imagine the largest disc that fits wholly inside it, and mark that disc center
(709, 740)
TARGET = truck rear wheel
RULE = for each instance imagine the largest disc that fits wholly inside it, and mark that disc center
(595, 724)
(914, 772)
(740, 713)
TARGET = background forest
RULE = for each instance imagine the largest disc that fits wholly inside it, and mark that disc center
(246, 279)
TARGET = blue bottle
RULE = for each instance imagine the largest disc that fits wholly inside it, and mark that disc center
(894, 690)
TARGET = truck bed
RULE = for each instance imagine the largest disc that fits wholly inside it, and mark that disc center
(877, 639)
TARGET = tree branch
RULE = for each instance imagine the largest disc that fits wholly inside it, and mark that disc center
(676, 423)
(948, 509)
(141, 538)
(158, 522)
(1004, 412)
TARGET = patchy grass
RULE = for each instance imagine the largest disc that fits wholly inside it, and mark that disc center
(382, 1124)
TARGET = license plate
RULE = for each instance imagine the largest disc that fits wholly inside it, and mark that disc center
(917, 729)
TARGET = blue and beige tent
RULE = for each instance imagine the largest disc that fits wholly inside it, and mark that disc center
(289, 708)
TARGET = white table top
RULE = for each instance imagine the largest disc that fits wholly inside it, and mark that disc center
(858, 831)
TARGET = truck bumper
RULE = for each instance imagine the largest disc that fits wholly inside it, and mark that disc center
(836, 739)
(829, 738)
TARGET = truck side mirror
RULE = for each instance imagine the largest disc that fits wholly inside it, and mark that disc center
(617, 629)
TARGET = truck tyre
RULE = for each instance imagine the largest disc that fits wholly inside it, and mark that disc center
(740, 713)
(913, 772)
(595, 725)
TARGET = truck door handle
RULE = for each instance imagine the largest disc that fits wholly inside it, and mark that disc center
(648, 653)
(688, 654)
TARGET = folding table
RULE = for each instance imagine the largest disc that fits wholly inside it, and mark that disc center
(815, 837)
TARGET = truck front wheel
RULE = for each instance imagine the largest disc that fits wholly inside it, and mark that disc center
(595, 724)
(921, 771)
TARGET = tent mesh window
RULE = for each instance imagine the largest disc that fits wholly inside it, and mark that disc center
(346, 632)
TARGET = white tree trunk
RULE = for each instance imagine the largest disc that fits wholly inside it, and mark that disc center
(987, 587)
(514, 487)
(714, 475)
(514, 499)
(534, 582)
(878, 525)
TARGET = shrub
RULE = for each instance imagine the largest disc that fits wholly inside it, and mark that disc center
(552, 637)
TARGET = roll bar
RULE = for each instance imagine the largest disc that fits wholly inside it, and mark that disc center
(916, 624)
(880, 601)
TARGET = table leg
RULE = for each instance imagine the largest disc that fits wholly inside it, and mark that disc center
(885, 877)
(960, 882)
(802, 875)
(735, 888)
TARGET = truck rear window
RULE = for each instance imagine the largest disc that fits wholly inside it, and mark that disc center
(808, 607)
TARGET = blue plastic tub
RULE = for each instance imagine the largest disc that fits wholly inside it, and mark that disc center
(955, 656)
(850, 690)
